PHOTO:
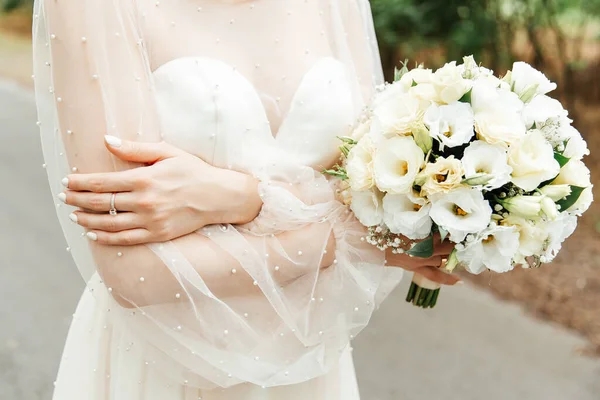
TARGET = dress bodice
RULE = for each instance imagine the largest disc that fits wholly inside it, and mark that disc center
(209, 109)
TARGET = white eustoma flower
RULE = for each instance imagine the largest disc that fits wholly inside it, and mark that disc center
(573, 173)
(449, 84)
(583, 202)
(528, 82)
(541, 109)
(532, 161)
(443, 175)
(396, 163)
(493, 249)
(359, 165)
(482, 158)
(407, 215)
(558, 231)
(368, 206)
(576, 147)
(398, 113)
(532, 236)
(452, 124)
(498, 114)
(461, 212)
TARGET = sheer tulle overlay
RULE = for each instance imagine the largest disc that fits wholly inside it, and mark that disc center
(263, 87)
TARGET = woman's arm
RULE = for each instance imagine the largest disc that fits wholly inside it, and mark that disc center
(94, 96)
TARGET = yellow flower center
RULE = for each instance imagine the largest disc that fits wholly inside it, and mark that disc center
(440, 177)
(402, 168)
(460, 211)
(448, 133)
(488, 239)
(417, 207)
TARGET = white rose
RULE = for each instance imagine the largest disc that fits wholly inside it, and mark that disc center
(399, 113)
(452, 124)
(558, 231)
(482, 158)
(541, 109)
(532, 236)
(528, 81)
(498, 114)
(573, 173)
(532, 161)
(359, 165)
(368, 207)
(449, 84)
(416, 76)
(576, 147)
(493, 249)
(461, 212)
(407, 215)
(389, 92)
(396, 163)
(444, 175)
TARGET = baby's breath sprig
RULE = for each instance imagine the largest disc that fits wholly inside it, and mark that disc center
(381, 237)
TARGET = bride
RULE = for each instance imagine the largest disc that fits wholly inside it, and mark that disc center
(184, 141)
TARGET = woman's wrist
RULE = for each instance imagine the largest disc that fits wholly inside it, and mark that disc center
(238, 201)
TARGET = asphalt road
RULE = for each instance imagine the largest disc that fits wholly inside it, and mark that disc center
(470, 347)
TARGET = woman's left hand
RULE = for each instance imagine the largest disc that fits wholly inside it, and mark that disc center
(175, 194)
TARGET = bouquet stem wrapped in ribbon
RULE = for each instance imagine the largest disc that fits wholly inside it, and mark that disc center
(491, 164)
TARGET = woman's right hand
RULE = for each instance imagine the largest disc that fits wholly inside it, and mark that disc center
(428, 267)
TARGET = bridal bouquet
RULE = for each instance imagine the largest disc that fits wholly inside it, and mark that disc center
(493, 165)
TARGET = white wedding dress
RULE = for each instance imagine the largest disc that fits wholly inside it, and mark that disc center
(264, 87)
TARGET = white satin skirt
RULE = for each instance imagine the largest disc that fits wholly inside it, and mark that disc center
(101, 361)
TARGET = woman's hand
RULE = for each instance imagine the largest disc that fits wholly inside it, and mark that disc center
(174, 194)
(428, 267)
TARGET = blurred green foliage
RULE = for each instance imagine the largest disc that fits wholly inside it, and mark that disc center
(9, 5)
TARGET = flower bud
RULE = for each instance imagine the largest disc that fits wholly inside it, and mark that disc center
(452, 261)
(529, 93)
(525, 206)
(479, 179)
(549, 208)
(556, 192)
(422, 137)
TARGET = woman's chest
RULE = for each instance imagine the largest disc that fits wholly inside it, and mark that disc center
(232, 84)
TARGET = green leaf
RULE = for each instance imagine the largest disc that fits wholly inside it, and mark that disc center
(562, 160)
(347, 140)
(570, 199)
(466, 98)
(422, 249)
(399, 73)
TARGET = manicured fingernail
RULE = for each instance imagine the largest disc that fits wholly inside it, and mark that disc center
(73, 217)
(92, 236)
(62, 197)
(65, 182)
(460, 283)
(113, 141)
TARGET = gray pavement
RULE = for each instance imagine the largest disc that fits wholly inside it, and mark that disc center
(470, 347)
